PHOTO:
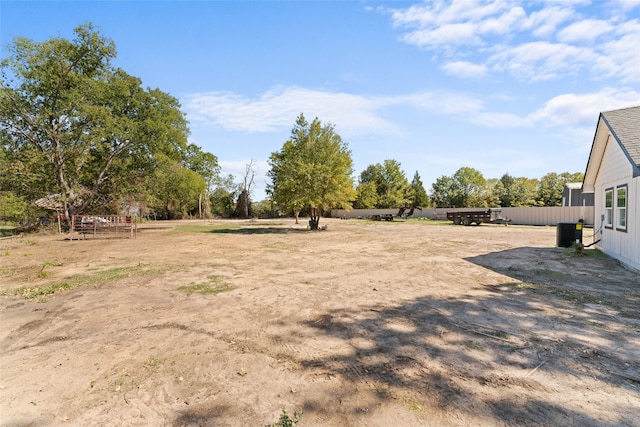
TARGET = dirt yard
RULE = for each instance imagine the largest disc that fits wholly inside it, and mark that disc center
(225, 323)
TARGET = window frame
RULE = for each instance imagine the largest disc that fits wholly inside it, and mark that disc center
(620, 209)
(609, 210)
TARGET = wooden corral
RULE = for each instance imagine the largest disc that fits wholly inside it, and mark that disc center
(117, 226)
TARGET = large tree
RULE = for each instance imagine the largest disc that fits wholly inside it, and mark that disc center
(551, 185)
(224, 195)
(445, 192)
(175, 188)
(312, 170)
(71, 118)
(466, 188)
(510, 191)
(418, 193)
(206, 165)
(391, 184)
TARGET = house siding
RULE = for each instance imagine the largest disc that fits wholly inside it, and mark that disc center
(616, 171)
(575, 197)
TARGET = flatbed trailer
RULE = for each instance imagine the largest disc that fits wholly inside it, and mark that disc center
(489, 216)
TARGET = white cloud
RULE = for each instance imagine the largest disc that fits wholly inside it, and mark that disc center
(461, 22)
(465, 28)
(544, 22)
(585, 30)
(464, 69)
(541, 60)
(579, 109)
(357, 115)
(278, 108)
(445, 35)
(626, 4)
(620, 57)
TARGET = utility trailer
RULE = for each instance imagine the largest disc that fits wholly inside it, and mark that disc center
(402, 213)
(383, 217)
(490, 216)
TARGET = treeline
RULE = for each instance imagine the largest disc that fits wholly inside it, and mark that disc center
(386, 186)
(468, 188)
(81, 136)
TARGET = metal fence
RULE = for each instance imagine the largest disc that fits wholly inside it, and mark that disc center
(520, 216)
(83, 226)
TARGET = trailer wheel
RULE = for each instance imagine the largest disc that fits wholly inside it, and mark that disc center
(467, 221)
(457, 221)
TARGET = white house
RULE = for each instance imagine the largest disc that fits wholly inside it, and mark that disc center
(613, 175)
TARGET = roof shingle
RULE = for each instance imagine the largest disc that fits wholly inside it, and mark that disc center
(625, 127)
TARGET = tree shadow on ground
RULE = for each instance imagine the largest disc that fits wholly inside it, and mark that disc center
(580, 277)
(509, 352)
(258, 230)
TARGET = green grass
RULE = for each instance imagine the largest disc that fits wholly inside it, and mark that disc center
(41, 292)
(6, 230)
(500, 334)
(471, 345)
(212, 287)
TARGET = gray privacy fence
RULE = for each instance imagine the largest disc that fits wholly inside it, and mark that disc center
(519, 216)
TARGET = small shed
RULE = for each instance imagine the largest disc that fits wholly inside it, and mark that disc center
(613, 176)
(572, 195)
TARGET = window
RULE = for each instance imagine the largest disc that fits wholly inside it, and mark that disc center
(608, 208)
(621, 205)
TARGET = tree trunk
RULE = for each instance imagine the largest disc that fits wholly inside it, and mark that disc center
(315, 218)
(296, 213)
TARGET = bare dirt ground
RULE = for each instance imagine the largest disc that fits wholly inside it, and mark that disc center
(225, 323)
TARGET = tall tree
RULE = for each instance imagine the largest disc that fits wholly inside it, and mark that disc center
(89, 127)
(418, 193)
(466, 188)
(176, 188)
(472, 186)
(445, 192)
(366, 196)
(243, 206)
(313, 170)
(223, 196)
(391, 184)
(551, 185)
(512, 191)
(206, 165)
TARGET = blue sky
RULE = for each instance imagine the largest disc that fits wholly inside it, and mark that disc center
(501, 86)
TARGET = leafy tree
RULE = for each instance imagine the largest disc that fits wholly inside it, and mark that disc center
(472, 187)
(206, 165)
(13, 208)
(176, 188)
(511, 191)
(549, 192)
(313, 170)
(445, 192)
(466, 188)
(366, 196)
(73, 119)
(418, 193)
(391, 184)
(223, 196)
